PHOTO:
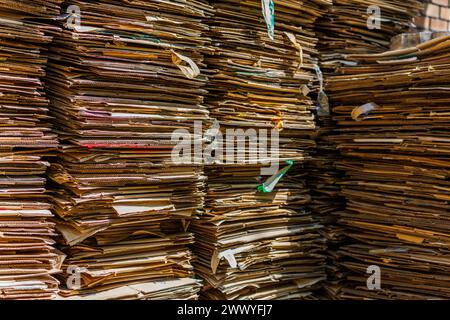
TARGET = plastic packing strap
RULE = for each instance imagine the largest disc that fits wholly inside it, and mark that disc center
(191, 71)
(229, 256)
(319, 76)
(361, 112)
(322, 98)
(268, 9)
(272, 182)
(297, 45)
(426, 36)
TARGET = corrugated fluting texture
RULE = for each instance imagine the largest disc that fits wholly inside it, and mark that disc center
(119, 86)
(253, 244)
(28, 259)
(392, 112)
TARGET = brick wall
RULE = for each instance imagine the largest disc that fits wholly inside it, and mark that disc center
(436, 16)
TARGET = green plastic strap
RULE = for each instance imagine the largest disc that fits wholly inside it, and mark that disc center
(268, 9)
(272, 182)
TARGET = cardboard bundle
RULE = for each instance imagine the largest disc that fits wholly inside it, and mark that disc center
(257, 239)
(122, 80)
(260, 82)
(348, 27)
(393, 121)
(31, 10)
(327, 202)
(254, 245)
(182, 289)
(126, 227)
(361, 27)
(28, 259)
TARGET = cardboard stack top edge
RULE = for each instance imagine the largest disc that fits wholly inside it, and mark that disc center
(28, 258)
(361, 27)
(122, 80)
(393, 121)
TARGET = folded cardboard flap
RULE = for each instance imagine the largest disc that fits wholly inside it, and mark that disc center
(28, 259)
(132, 75)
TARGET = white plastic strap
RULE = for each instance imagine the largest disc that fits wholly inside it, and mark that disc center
(297, 45)
(192, 71)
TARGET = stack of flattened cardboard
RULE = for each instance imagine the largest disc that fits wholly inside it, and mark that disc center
(121, 81)
(256, 238)
(254, 245)
(361, 27)
(326, 199)
(350, 26)
(181, 289)
(28, 259)
(31, 10)
(393, 123)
